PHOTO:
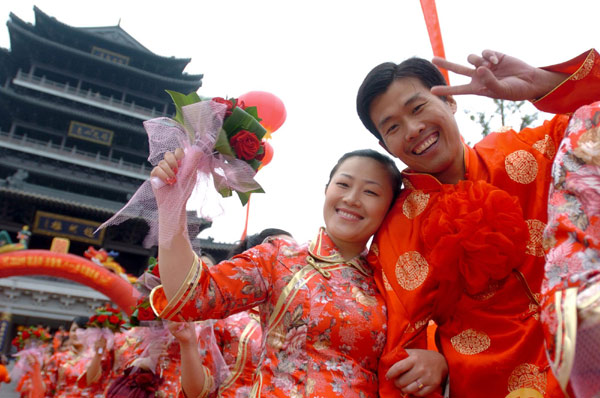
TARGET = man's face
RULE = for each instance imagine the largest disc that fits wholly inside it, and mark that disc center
(419, 128)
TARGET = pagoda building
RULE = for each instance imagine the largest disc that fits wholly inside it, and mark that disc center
(72, 146)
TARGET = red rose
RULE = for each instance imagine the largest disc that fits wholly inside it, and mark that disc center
(240, 104)
(15, 342)
(37, 333)
(101, 318)
(245, 144)
(92, 318)
(145, 314)
(229, 104)
(114, 319)
(25, 334)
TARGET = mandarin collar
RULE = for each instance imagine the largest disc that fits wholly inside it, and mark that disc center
(324, 250)
(427, 182)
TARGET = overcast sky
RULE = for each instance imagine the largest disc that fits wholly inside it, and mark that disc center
(314, 55)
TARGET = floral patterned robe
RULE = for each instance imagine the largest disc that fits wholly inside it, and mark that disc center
(323, 320)
(126, 349)
(240, 339)
(470, 255)
(571, 288)
(64, 376)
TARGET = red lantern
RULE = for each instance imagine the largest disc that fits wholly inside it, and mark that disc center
(270, 108)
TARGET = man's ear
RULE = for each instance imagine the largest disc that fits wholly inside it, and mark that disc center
(451, 103)
(382, 144)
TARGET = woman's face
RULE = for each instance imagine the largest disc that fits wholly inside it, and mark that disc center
(73, 337)
(357, 199)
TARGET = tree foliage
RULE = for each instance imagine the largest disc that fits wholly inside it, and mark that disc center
(505, 111)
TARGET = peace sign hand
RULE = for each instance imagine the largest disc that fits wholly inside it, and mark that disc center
(500, 76)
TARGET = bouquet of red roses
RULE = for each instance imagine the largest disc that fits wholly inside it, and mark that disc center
(106, 317)
(223, 144)
(31, 335)
(240, 137)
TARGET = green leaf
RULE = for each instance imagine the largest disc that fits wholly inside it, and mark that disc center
(245, 196)
(222, 144)
(255, 164)
(180, 100)
(241, 120)
(253, 111)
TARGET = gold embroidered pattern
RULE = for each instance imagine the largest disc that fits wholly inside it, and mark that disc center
(584, 69)
(407, 184)
(489, 292)
(546, 146)
(536, 231)
(415, 203)
(503, 129)
(521, 166)
(535, 308)
(470, 342)
(527, 375)
(375, 249)
(386, 283)
(421, 323)
(411, 270)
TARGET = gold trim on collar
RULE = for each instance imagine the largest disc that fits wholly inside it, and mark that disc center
(318, 261)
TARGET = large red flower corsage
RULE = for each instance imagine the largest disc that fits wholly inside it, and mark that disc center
(474, 234)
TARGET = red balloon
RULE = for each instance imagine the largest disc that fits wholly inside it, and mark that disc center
(268, 154)
(270, 108)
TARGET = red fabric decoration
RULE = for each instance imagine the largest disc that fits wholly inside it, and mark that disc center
(474, 234)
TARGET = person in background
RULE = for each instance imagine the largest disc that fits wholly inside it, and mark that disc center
(571, 287)
(4, 375)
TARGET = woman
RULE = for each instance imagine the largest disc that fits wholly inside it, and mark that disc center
(324, 322)
(66, 372)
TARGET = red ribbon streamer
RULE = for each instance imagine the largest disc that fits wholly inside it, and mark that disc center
(433, 29)
(245, 233)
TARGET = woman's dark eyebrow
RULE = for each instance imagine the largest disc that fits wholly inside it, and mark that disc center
(367, 181)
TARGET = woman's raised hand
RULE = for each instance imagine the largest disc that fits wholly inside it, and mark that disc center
(184, 332)
(167, 169)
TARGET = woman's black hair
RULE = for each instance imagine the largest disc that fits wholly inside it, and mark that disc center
(81, 321)
(253, 240)
(382, 76)
(386, 161)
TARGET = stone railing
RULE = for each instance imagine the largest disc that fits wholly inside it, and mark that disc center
(73, 155)
(86, 96)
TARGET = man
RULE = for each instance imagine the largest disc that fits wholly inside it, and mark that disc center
(462, 244)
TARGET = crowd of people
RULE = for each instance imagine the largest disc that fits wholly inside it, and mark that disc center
(496, 245)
